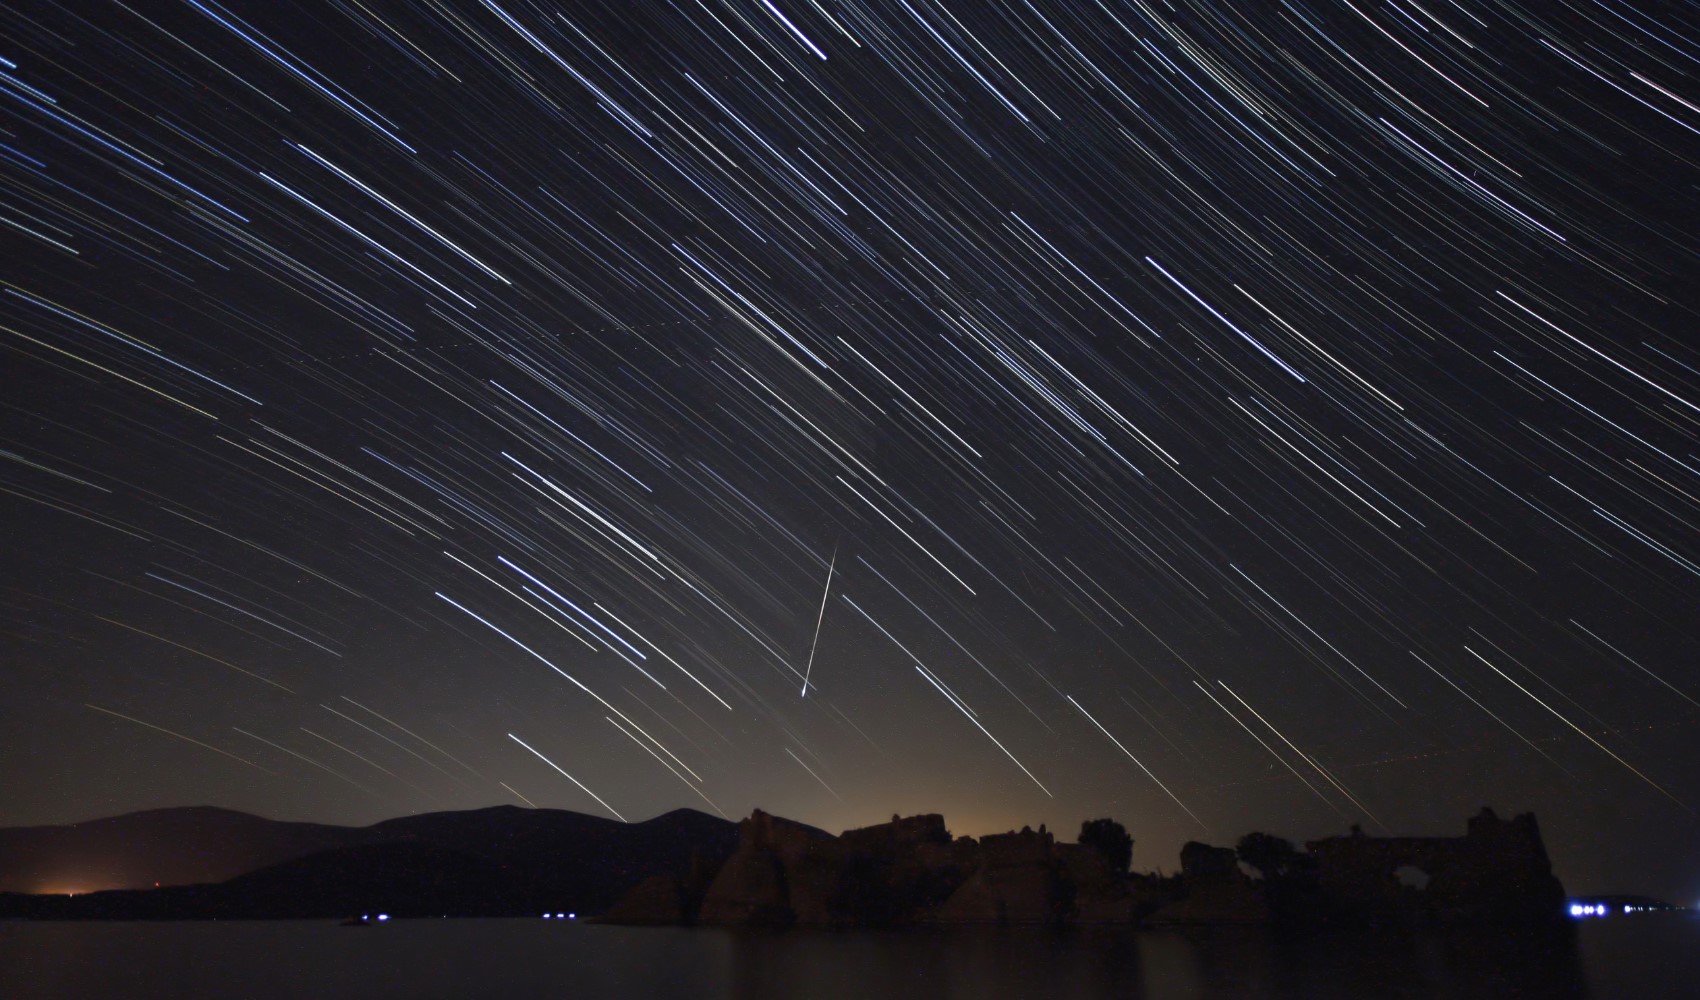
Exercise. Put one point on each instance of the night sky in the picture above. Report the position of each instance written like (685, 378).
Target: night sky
(1218, 416)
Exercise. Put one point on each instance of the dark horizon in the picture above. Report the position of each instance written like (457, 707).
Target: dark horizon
(1065, 834)
(1215, 419)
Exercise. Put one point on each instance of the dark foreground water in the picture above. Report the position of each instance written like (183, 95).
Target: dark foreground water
(1641, 956)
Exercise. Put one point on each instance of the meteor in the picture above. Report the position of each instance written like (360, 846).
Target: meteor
(820, 617)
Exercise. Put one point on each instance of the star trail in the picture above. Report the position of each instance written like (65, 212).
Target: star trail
(848, 407)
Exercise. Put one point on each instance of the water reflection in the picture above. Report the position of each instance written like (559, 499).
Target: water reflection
(971, 965)
(1655, 955)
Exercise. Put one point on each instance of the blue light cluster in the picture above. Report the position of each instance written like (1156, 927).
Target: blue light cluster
(1579, 910)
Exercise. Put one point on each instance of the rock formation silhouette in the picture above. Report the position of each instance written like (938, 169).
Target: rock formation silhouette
(686, 868)
(1498, 871)
(912, 871)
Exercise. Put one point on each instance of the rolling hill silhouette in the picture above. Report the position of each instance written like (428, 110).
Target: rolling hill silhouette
(504, 860)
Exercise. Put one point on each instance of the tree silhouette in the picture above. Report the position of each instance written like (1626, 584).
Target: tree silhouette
(1109, 839)
(1273, 857)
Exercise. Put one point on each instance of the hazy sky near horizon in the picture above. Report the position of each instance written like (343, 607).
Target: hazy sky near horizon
(1216, 416)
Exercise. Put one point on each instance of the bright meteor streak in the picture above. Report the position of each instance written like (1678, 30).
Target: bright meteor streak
(820, 617)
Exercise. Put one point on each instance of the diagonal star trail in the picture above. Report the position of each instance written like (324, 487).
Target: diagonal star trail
(1183, 357)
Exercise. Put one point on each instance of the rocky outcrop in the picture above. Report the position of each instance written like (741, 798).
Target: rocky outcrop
(1100, 895)
(1213, 890)
(665, 900)
(779, 869)
(1001, 896)
(910, 871)
(1202, 861)
(1019, 880)
(907, 871)
(660, 901)
(750, 889)
(1497, 872)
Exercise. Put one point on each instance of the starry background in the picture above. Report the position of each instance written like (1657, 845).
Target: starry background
(1215, 416)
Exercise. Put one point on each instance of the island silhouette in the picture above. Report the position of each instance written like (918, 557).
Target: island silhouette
(687, 868)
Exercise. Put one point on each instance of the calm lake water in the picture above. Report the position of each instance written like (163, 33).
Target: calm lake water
(1641, 956)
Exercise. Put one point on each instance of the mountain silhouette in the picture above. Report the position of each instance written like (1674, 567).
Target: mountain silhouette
(159, 846)
(503, 860)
